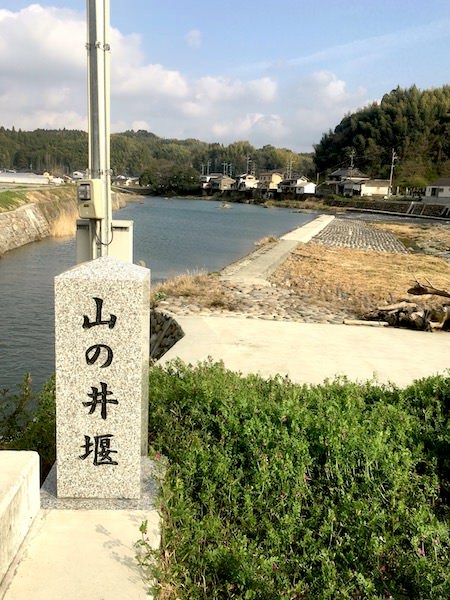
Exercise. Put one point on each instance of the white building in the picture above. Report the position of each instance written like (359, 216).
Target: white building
(375, 187)
(306, 187)
(247, 181)
(297, 185)
(24, 178)
(438, 192)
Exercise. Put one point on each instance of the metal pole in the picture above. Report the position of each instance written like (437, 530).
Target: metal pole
(393, 159)
(99, 115)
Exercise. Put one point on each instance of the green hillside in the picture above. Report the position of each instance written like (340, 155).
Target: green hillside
(413, 123)
(136, 152)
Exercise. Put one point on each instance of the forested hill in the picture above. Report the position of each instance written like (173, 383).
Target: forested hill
(133, 153)
(415, 123)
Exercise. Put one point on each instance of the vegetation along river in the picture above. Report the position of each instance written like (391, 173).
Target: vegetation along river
(172, 236)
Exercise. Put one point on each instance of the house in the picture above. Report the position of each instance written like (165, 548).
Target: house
(221, 182)
(364, 187)
(351, 173)
(269, 180)
(205, 180)
(346, 182)
(375, 187)
(307, 187)
(438, 192)
(292, 184)
(247, 181)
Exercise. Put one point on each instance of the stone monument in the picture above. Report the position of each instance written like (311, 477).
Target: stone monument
(102, 328)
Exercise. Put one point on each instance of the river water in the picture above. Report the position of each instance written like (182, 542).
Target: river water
(172, 236)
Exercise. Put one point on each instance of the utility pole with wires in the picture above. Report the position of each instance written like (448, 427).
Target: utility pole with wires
(352, 158)
(394, 158)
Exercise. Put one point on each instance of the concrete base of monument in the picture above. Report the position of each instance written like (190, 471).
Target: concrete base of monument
(19, 502)
(81, 548)
(149, 490)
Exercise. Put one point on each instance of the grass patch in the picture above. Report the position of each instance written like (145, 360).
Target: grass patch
(28, 421)
(201, 289)
(431, 239)
(279, 491)
(10, 200)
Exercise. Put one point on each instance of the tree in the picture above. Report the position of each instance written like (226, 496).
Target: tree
(416, 123)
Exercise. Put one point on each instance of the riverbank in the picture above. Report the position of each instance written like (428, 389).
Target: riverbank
(350, 268)
(40, 213)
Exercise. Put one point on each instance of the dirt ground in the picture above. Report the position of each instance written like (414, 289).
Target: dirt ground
(359, 280)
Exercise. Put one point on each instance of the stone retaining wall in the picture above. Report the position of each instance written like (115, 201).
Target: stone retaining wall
(22, 226)
(404, 207)
(164, 333)
(33, 222)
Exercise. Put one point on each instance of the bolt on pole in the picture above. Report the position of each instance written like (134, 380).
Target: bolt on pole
(98, 49)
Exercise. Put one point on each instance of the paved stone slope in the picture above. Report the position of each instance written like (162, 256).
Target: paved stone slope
(259, 301)
(349, 233)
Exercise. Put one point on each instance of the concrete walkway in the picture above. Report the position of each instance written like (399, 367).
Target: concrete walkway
(258, 266)
(313, 352)
(78, 554)
(79, 549)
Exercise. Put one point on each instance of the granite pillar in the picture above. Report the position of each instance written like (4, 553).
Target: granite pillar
(102, 353)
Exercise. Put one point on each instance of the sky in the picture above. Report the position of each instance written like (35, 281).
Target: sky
(280, 73)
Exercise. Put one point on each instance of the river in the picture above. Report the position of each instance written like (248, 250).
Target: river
(171, 236)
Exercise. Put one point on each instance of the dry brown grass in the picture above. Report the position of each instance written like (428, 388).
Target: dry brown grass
(269, 239)
(65, 224)
(358, 279)
(200, 289)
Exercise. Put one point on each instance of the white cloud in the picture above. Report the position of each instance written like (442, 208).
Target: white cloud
(325, 101)
(194, 38)
(43, 84)
(137, 125)
(256, 126)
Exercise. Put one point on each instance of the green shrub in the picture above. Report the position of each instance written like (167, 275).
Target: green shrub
(281, 491)
(28, 422)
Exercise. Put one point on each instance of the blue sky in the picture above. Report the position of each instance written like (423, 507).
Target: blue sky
(278, 73)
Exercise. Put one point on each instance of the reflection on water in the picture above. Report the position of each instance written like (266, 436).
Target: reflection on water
(171, 236)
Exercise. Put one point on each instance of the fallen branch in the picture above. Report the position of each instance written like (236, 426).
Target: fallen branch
(421, 290)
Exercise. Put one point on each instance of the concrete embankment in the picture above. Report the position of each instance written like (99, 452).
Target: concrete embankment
(46, 213)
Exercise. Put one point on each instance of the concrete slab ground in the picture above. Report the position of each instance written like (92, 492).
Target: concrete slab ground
(77, 554)
(312, 352)
(258, 266)
(84, 548)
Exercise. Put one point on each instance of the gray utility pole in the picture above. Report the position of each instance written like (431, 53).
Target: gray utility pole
(393, 159)
(98, 50)
(352, 159)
